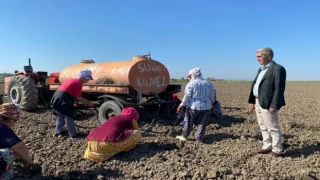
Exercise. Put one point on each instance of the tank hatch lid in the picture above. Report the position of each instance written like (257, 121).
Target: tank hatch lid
(141, 57)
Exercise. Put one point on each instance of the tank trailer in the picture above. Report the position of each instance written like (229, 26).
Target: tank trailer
(140, 81)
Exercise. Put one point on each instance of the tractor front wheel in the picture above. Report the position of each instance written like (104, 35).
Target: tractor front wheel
(22, 90)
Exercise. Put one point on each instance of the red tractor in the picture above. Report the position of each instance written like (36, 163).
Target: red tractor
(23, 88)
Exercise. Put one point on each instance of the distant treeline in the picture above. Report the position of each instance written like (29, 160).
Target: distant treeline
(3, 75)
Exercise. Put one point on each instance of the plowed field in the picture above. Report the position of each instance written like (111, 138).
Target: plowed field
(226, 152)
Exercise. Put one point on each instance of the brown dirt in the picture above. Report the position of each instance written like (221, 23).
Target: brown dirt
(226, 152)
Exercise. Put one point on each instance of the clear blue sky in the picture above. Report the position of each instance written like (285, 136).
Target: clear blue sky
(220, 37)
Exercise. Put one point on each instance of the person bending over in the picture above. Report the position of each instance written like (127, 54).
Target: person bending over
(117, 134)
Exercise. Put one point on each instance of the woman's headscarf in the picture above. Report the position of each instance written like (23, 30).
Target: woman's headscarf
(10, 111)
(85, 74)
(195, 73)
(132, 112)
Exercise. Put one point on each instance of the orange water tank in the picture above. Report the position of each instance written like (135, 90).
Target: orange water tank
(141, 73)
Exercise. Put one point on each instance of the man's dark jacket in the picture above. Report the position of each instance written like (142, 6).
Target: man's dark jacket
(271, 88)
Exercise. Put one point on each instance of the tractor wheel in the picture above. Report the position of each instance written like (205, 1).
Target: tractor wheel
(108, 109)
(22, 90)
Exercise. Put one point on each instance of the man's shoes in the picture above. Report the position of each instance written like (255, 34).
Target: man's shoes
(78, 136)
(264, 151)
(63, 132)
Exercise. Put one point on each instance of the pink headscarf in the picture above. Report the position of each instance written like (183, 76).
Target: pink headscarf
(130, 111)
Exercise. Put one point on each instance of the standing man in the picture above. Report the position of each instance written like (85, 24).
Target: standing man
(62, 102)
(267, 97)
(198, 100)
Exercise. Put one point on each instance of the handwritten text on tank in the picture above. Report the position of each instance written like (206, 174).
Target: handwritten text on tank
(147, 67)
(155, 81)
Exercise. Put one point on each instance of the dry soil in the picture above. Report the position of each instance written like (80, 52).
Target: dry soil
(227, 151)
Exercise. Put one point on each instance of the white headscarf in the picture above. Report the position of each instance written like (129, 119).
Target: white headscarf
(195, 73)
(85, 74)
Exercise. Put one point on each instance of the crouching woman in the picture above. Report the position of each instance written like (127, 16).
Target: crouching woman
(9, 141)
(118, 134)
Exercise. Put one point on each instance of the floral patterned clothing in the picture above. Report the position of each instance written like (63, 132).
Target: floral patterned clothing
(8, 157)
(101, 151)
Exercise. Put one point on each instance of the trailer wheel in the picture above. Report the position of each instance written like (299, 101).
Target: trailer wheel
(22, 90)
(109, 109)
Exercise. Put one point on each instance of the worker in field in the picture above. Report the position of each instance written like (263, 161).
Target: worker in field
(180, 115)
(62, 103)
(10, 143)
(117, 134)
(267, 97)
(216, 109)
(197, 101)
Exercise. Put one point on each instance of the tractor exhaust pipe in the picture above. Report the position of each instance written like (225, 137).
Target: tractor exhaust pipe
(29, 62)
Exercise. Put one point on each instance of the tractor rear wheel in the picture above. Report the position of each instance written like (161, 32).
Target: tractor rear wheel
(108, 109)
(22, 90)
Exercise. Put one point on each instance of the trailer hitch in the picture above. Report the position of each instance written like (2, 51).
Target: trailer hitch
(95, 110)
(156, 117)
(154, 120)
